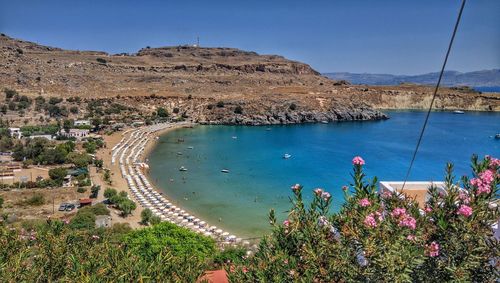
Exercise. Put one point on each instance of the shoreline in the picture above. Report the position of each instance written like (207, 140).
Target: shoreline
(137, 144)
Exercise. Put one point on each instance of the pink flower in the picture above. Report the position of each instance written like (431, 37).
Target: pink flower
(370, 221)
(487, 176)
(95, 237)
(295, 187)
(398, 212)
(66, 221)
(494, 163)
(408, 221)
(427, 209)
(358, 161)
(464, 210)
(364, 202)
(286, 223)
(432, 249)
(387, 194)
(318, 192)
(380, 216)
(326, 196)
(411, 237)
(463, 196)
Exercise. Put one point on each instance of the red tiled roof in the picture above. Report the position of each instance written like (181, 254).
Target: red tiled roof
(214, 276)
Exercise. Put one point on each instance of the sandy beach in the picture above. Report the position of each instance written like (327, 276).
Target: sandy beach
(118, 182)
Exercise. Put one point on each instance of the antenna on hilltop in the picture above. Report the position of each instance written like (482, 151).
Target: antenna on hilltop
(198, 41)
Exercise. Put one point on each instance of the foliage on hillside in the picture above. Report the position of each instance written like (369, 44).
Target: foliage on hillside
(384, 238)
(56, 252)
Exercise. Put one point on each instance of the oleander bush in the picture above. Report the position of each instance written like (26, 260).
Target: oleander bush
(384, 238)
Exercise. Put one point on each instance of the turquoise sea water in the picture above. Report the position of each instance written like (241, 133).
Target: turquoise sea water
(260, 178)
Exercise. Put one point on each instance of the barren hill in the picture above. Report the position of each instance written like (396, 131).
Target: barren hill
(268, 88)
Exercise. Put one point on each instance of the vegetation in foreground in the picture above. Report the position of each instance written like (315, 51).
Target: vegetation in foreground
(372, 238)
(385, 238)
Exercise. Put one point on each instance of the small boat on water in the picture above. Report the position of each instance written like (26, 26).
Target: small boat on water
(458, 112)
(286, 156)
(234, 137)
(268, 129)
(183, 168)
(497, 136)
(224, 171)
(324, 122)
(180, 140)
(179, 153)
(190, 147)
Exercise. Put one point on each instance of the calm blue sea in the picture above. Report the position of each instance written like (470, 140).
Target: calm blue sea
(260, 178)
(488, 88)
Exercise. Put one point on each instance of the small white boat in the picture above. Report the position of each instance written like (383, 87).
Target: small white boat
(234, 137)
(190, 147)
(224, 171)
(286, 156)
(324, 122)
(268, 129)
(183, 168)
(458, 112)
(179, 153)
(497, 136)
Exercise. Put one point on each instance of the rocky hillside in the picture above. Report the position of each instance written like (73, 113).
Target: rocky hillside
(254, 89)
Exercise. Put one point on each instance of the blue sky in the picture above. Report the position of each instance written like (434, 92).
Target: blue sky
(393, 36)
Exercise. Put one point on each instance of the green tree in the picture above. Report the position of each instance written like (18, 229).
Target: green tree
(162, 112)
(109, 193)
(58, 174)
(1, 201)
(83, 220)
(126, 206)
(146, 215)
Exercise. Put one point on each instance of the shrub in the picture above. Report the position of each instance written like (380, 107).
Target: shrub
(384, 238)
(1, 201)
(101, 60)
(83, 219)
(175, 110)
(98, 209)
(220, 104)
(238, 110)
(81, 190)
(95, 191)
(109, 193)
(230, 255)
(55, 253)
(155, 220)
(292, 106)
(36, 199)
(146, 215)
(180, 242)
(58, 174)
(162, 112)
(9, 93)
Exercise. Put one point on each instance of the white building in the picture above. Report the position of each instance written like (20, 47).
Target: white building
(49, 137)
(15, 133)
(82, 123)
(75, 133)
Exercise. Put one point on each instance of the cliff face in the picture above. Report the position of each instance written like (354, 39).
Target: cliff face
(193, 78)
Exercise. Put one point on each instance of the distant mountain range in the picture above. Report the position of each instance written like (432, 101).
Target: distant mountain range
(485, 78)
